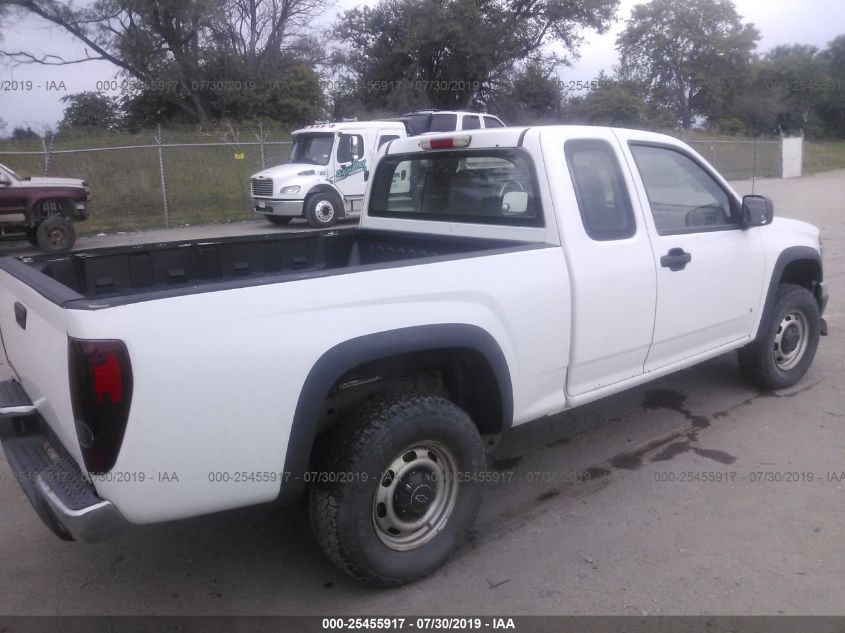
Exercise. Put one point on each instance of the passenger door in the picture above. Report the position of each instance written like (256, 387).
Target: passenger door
(709, 270)
(350, 164)
(608, 255)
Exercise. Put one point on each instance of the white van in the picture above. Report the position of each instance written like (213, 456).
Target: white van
(327, 173)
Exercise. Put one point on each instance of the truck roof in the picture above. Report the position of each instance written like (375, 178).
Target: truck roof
(352, 125)
(512, 137)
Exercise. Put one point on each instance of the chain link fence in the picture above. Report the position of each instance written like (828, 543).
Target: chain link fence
(165, 178)
(155, 179)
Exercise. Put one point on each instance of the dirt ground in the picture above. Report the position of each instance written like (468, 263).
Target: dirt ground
(653, 533)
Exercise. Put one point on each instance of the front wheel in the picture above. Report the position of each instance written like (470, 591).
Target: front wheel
(321, 211)
(786, 342)
(394, 495)
(56, 234)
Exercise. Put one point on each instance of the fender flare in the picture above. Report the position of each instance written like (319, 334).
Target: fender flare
(787, 256)
(347, 355)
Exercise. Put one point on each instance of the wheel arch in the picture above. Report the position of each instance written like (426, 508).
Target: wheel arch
(801, 265)
(345, 357)
(326, 189)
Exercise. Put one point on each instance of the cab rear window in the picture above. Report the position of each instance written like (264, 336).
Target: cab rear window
(495, 186)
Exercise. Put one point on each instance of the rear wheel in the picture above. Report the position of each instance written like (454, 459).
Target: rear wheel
(279, 219)
(787, 341)
(390, 504)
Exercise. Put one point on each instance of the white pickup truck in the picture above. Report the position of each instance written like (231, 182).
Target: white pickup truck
(524, 271)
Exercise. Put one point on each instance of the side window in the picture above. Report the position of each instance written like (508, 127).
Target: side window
(350, 148)
(387, 138)
(600, 190)
(490, 121)
(471, 122)
(684, 198)
(444, 122)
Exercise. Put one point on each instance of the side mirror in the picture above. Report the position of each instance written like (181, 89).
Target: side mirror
(515, 202)
(366, 175)
(757, 210)
(5, 180)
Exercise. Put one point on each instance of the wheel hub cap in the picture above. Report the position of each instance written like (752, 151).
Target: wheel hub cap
(324, 211)
(414, 494)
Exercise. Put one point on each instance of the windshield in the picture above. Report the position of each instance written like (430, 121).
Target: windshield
(11, 173)
(313, 149)
(493, 186)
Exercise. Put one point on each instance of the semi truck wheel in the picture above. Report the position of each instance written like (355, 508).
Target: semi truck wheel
(321, 210)
(393, 498)
(56, 234)
(279, 219)
(786, 342)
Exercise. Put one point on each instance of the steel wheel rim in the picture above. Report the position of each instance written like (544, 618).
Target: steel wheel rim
(423, 468)
(56, 237)
(324, 210)
(790, 340)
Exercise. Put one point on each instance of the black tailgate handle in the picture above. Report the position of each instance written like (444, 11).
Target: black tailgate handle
(20, 314)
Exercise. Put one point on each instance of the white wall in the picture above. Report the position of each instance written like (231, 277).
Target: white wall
(792, 150)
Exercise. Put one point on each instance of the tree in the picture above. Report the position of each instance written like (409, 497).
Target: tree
(183, 55)
(531, 94)
(616, 103)
(445, 52)
(786, 90)
(831, 109)
(24, 134)
(90, 110)
(692, 57)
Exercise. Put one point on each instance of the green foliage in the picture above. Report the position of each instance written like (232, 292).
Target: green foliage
(90, 110)
(443, 53)
(529, 95)
(24, 134)
(691, 57)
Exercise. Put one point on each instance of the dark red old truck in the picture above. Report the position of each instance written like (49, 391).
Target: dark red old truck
(42, 208)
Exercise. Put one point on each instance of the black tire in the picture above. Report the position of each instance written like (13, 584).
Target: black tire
(775, 360)
(32, 235)
(56, 234)
(279, 219)
(353, 457)
(321, 210)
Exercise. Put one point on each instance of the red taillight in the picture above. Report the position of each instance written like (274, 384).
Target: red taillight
(101, 392)
(442, 143)
(108, 378)
(445, 142)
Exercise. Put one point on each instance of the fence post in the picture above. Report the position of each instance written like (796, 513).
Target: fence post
(47, 153)
(261, 144)
(737, 159)
(163, 177)
(754, 167)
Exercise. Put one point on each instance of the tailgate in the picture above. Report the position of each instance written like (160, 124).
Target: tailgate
(36, 345)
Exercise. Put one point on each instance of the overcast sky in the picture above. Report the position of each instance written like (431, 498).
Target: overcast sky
(779, 21)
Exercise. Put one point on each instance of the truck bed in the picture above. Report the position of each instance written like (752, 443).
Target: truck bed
(103, 277)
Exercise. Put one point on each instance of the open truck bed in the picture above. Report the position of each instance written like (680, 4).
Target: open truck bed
(106, 277)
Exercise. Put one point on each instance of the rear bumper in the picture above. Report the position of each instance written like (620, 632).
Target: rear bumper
(59, 492)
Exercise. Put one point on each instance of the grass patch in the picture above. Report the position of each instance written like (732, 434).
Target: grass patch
(822, 156)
